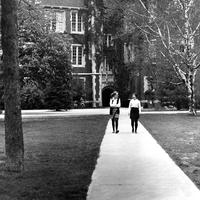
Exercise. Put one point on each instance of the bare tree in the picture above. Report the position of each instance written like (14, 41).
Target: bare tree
(178, 31)
(175, 25)
(13, 123)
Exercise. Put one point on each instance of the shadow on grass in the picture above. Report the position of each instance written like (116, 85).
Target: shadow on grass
(60, 156)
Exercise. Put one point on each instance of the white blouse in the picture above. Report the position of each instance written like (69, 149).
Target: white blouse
(135, 103)
(114, 103)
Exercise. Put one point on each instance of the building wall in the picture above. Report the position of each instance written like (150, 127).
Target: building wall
(92, 77)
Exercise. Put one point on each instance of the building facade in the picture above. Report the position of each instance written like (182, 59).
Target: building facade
(82, 21)
(130, 50)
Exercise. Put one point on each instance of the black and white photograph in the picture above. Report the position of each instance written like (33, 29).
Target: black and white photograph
(99, 99)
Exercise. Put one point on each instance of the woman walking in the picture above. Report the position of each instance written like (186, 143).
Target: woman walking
(135, 109)
(115, 105)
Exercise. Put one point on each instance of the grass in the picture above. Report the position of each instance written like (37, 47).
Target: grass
(60, 156)
(179, 135)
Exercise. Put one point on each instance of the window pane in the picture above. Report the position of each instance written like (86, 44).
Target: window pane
(73, 16)
(74, 21)
(74, 55)
(79, 55)
(60, 21)
(79, 23)
(53, 25)
(74, 27)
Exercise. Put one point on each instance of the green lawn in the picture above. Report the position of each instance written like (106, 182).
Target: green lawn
(179, 135)
(60, 156)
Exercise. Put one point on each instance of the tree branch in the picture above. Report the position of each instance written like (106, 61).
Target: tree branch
(164, 82)
(144, 6)
(179, 28)
(171, 60)
(169, 37)
(195, 30)
(161, 37)
(198, 65)
(177, 69)
(139, 14)
(144, 31)
(189, 5)
(181, 4)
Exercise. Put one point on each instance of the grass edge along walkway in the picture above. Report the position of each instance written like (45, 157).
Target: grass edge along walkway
(60, 156)
(134, 166)
(179, 135)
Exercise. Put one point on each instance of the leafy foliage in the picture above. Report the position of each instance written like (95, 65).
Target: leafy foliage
(44, 61)
(58, 88)
(32, 97)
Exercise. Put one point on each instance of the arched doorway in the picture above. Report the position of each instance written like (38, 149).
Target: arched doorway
(106, 92)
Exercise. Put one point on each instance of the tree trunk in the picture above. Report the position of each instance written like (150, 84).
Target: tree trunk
(13, 123)
(93, 48)
(191, 94)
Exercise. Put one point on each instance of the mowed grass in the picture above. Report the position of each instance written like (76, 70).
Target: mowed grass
(179, 135)
(60, 156)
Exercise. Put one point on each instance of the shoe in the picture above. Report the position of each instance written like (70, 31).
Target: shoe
(132, 130)
(117, 131)
(113, 132)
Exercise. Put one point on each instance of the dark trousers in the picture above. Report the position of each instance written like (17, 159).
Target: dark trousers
(115, 124)
(134, 124)
(134, 115)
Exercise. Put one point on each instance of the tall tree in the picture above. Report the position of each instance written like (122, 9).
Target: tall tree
(176, 27)
(13, 122)
(95, 38)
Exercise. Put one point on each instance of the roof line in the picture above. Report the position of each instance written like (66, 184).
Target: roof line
(61, 7)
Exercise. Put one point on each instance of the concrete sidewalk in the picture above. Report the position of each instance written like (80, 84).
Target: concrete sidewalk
(134, 167)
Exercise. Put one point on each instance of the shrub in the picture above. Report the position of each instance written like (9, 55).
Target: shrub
(32, 97)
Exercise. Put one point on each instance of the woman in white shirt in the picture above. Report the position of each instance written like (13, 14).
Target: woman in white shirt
(135, 109)
(115, 105)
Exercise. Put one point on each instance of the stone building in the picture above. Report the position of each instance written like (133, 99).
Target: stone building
(131, 50)
(82, 21)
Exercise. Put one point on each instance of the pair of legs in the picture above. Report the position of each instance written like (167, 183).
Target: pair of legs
(134, 124)
(115, 124)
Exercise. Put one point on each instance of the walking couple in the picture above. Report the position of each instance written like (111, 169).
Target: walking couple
(134, 111)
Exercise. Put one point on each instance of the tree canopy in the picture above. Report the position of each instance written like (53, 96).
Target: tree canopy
(170, 30)
(44, 60)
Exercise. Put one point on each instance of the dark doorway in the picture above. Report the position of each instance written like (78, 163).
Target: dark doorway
(106, 96)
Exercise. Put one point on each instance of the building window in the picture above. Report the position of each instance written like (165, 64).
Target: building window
(107, 66)
(77, 22)
(83, 82)
(60, 22)
(77, 56)
(108, 42)
(79, 82)
(57, 20)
